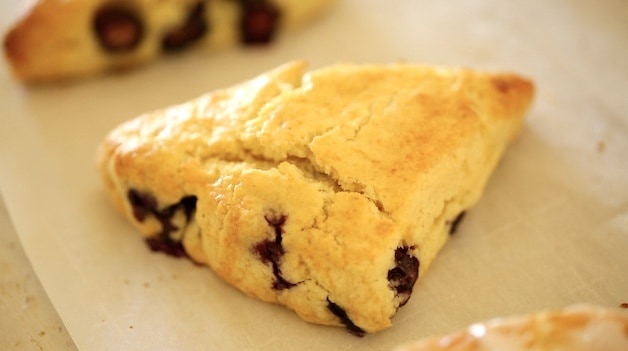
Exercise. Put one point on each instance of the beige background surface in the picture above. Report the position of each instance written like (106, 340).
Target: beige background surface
(551, 230)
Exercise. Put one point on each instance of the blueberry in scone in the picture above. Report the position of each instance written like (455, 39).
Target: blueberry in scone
(330, 192)
(65, 39)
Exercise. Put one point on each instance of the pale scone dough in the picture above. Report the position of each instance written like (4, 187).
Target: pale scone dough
(327, 191)
(58, 39)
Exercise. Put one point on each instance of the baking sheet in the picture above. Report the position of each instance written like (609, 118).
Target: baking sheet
(551, 230)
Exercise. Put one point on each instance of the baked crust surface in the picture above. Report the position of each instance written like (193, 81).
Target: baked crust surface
(328, 192)
(577, 328)
(58, 39)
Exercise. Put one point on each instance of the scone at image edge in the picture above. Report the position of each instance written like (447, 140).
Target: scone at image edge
(65, 40)
(329, 192)
(580, 327)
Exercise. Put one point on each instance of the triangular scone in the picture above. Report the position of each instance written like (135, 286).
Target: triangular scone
(62, 39)
(329, 192)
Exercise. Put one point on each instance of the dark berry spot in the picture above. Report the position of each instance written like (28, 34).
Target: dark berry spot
(259, 21)
(145, 204)
(404, 275)
(166, 245)
(118, 28)
(277, 222)
(344, 318)
(194, 28)
(271, 252)
(189, 206)
(453, 224)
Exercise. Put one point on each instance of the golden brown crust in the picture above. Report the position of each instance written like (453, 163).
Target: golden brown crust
(53, 40)
(56, 40)
(577, 328)
(320, 191)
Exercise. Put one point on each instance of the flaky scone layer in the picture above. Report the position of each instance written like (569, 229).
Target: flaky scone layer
(329, 191)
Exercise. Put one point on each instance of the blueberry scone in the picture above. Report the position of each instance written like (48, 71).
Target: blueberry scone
(61, 39)
(329, 192)
(576, 328)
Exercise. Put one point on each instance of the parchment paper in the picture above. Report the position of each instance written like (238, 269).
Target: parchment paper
(550, 231)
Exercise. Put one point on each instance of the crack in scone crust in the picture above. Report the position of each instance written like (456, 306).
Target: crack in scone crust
(329, 192)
